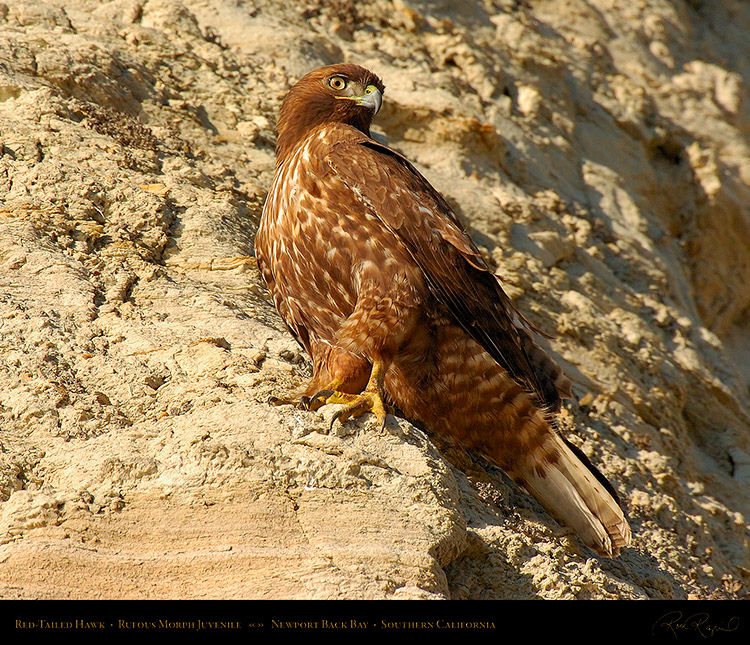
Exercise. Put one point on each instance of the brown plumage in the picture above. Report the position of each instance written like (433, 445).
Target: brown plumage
(375, 277)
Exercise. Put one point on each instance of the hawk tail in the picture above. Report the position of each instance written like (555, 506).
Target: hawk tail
(572, 491)
(467, 396)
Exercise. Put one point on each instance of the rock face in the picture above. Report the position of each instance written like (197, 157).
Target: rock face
(598, 152)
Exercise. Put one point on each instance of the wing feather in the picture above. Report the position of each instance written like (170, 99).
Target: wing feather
(458, 277)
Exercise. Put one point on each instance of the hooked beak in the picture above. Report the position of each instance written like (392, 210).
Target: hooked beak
(372, 99)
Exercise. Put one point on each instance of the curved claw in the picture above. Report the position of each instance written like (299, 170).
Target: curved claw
(324, 397)
(318, 400)
(368, 401)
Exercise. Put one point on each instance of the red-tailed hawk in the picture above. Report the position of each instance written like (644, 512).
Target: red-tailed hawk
(376, 278)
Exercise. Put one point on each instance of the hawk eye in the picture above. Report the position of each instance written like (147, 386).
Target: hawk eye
(337, 82)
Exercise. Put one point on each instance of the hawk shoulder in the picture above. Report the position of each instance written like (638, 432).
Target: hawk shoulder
(390, 188)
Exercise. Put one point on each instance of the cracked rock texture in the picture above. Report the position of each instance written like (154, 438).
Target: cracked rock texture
(597, 151)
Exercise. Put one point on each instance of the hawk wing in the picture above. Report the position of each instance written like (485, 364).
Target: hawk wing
(390, 188)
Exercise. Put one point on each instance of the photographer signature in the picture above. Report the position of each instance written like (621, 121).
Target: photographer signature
(700, 623)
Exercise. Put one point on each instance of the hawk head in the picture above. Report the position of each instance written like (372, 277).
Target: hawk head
(333, 94)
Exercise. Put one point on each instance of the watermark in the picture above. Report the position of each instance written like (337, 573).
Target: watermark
(676, 624)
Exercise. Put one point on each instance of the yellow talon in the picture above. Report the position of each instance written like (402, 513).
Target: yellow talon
(370, 400)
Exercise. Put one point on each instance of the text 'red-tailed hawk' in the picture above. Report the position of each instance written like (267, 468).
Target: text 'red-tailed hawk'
(376, 278)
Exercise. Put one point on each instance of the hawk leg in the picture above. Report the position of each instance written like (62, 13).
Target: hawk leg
(369, 400)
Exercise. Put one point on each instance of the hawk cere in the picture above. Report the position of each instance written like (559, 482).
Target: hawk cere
(376, 278)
